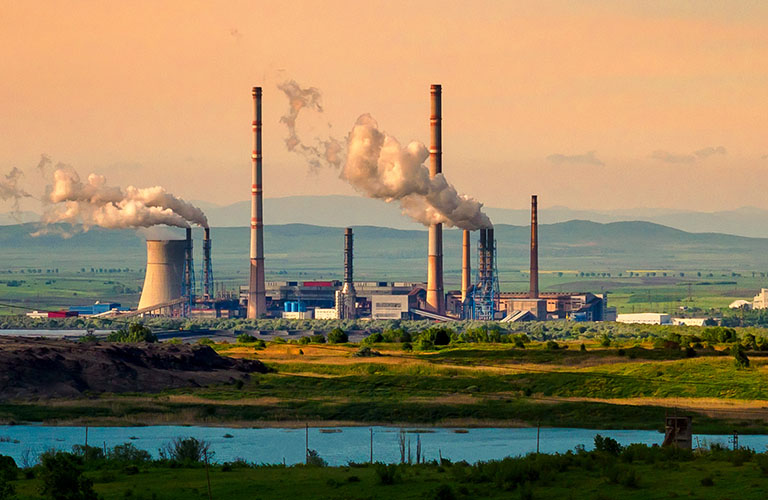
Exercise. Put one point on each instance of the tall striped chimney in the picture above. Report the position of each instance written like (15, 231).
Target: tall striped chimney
(534, 288)
(257, 306)
(435, 293)
(466, 271)
(189, 269)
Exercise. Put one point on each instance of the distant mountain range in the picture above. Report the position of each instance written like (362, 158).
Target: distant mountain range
(293, 250)
(342, 211)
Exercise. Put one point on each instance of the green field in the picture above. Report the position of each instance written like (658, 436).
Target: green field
(630, 385)
(636, 472)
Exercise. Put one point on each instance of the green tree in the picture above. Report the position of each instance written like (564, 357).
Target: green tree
(61, 477)
(137, 332)
(739, 356)
(337, 336)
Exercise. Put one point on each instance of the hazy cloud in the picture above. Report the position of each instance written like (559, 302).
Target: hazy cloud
(668, 157)
(699, 154)
(709, 151)
(587, 158)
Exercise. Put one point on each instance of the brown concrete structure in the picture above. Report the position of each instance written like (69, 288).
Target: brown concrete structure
(534, 286)
(257, 306)
(435, 291)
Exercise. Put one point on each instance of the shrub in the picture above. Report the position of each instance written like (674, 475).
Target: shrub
(186, 451)
(174, 341)
(583, 348)
(762, 463)
(61, 477)
(337, 336)
(707, 480)
(366, 352)
(387, 474)
(8, 468)
(374, 338)
(739, 354)
(205, 341)
(317, 338)
(246, 338)
(315, 460)
(278, 340)
(137, 332)
(552, 345)
(607, 445)
(407, 347)
(444, 492)
(127, 453)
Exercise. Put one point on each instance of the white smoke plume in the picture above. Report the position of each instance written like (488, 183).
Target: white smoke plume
(10, 188)
(377, 165)
(327, 152)
(94, 203)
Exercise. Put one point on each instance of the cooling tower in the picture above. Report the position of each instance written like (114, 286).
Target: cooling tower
(534, 288)
(435, 293)
(257, 306)
(207, 269)
(164, 278)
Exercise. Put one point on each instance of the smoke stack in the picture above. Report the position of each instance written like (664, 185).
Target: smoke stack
(257, 305)
(164, 277)
(466, 279)
(189, 270)
(348, 292)
(435, 293)
(207, 271)
(534, 289)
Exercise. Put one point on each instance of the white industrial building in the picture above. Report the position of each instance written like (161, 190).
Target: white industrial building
(645, 318)
(689, 321)
(389, 306)
(761, 299)
(326, 313)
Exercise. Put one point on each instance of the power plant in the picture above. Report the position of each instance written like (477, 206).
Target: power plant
(169, 286)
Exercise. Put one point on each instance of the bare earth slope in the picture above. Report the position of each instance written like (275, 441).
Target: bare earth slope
(43, 368)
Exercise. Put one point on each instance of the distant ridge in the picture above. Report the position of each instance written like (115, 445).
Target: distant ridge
(342, 211)
(292, 249)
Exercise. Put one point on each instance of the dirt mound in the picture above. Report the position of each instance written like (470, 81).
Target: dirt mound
(43, 368)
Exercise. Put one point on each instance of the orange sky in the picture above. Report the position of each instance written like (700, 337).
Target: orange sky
(159, 93)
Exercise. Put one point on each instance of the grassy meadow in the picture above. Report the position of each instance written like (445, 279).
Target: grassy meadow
(631, 385)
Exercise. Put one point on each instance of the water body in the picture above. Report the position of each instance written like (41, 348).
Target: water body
(338, 445)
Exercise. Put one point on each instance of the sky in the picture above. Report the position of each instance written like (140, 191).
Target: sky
(590, 105)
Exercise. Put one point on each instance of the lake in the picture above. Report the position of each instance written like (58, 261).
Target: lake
(337, 445)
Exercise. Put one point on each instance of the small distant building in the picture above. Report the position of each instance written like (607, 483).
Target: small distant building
(690, 321)
(645, 318)
(37, 314)
(390, 306)
(740, 304)
(326, 313)
(298, 314)
(761, 299)
(96, 308)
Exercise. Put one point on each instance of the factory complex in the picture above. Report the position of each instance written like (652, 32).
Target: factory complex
(170, 289)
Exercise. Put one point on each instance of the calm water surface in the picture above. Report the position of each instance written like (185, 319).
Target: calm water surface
(336, 445)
